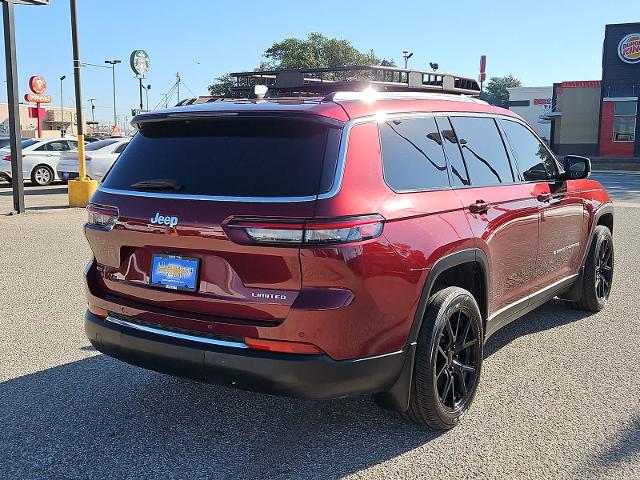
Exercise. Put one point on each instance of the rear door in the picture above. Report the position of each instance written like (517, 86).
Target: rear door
(200, 174)
(562, 214)
(502, 213)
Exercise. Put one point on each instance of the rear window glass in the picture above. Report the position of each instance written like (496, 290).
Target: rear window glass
(236, 158)
(99, 144)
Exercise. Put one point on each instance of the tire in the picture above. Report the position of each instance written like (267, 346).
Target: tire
(431, 402)
(42, 175)
(598, 271)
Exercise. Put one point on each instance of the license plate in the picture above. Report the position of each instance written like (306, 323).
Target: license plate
(174, 272)
(65, 176)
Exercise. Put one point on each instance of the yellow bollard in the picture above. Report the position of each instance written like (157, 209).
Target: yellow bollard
(80, 190)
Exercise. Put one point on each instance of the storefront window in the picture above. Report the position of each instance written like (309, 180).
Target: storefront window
(624, 121)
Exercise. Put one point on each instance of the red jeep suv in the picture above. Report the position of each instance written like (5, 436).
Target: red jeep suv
(331, 245)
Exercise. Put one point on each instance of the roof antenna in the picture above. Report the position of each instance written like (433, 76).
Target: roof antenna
(258, 91)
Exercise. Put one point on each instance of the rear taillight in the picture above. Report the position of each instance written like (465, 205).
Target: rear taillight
(8, 158)
(99, 216)
(305, 232)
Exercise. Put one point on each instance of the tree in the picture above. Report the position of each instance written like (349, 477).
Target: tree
(313, 52)
(496, 90)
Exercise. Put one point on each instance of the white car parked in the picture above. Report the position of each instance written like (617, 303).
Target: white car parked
(39, 159)
(99, 157)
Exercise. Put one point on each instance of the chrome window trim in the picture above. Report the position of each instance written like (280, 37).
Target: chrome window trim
(180, 336)
(177, 196)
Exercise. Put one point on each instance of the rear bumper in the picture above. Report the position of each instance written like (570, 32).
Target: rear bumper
(302, 376)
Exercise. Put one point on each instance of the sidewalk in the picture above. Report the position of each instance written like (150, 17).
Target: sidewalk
(628, 164)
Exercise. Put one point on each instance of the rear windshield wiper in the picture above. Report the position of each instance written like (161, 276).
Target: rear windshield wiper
(157, 184)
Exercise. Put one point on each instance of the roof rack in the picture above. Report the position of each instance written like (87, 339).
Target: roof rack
(324, 81)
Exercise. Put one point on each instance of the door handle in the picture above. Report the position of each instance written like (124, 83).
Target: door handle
(480, 206)
(544, 197)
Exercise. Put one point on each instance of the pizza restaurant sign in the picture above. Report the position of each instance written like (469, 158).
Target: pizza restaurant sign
(629, 48)
(38, 86)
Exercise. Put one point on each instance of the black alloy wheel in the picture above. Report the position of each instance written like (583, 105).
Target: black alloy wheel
(448, 360)
(597, 277)
(604, 269)
(457, 364)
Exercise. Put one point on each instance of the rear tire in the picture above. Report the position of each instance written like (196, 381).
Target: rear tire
(42, 175)
(598, 271)
(448, 360)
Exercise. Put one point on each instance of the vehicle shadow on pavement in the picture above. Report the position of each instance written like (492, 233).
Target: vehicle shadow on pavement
(625, 449)
(101, 418)
(550, 315)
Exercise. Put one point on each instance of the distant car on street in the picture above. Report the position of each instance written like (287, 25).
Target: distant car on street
(39, 159)
(100, 156)
(4, 141)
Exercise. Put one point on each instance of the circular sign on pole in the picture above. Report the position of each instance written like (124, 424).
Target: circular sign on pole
(629, 48)
(140, 63)
(38, 84)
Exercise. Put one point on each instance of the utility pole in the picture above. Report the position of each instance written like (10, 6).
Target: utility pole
(80, 190)
(178, 84)
(14, 112)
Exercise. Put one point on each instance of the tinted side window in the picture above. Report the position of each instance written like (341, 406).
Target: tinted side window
(483, 150)
(535, 162)
(57, 146)
(120, 148)
(459, 175)
(412, 155)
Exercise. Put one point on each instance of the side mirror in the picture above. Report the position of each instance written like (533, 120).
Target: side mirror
(576, 167)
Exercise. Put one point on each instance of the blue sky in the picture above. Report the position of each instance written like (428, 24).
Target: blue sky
(540, 42)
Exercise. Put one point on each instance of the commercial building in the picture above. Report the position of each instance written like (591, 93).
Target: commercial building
(52, 118)
(533, 104)
(600, 117)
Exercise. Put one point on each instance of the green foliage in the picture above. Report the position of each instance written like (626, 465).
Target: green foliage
(495, 92)
(221, 85)
(313, 52)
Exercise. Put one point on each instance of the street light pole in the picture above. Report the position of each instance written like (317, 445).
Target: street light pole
(93, 114)
(62, 106)
(146, 90)
(406, 55)
(113, 64)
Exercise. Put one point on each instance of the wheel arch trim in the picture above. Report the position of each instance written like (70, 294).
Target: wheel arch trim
(460, 257)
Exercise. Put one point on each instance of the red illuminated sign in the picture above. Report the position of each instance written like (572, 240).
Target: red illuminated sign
(37, 98)
(38, 84)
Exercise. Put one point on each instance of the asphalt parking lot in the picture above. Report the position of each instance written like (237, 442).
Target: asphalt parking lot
(559, 397)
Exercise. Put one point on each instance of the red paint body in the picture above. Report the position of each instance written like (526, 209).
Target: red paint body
(354, 300)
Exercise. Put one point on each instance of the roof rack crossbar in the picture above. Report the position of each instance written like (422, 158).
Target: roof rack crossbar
(325, 80)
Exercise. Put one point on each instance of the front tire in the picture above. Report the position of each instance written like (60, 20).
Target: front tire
(598, 271)
(42, 175)
(448, 360)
